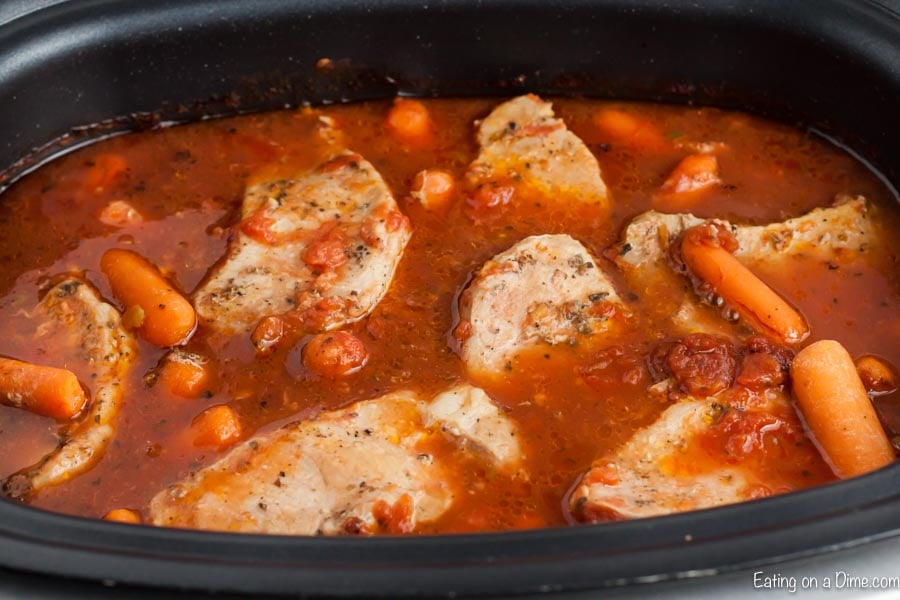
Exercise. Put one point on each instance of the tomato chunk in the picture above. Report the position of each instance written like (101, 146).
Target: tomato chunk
(335, 354)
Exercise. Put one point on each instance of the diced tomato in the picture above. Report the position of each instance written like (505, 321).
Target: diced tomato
(463, 330)
(268, 332)
(491, 195)
(396, 518)
(327, 252)
(259, 227)
(395, 221)
(335, 354)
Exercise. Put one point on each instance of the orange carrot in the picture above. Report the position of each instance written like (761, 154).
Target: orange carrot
(410, 122)
(616, 122)
(217, 427)
(837, 410)
(739, 287)
(627, 129)
(876, 375)
(433, 188)
(169, 319)
(686, 183)
(185, 375)
(123, 515)
(42, 390)
(104, 170)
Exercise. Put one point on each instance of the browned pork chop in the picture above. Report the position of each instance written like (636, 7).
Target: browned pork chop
(545, 289)
(102, 349)
(650, 475)
(822, 232)
(321, 246)
(362, 469)
(523, 142)
(661, 469)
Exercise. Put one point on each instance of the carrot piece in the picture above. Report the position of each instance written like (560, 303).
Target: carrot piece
(752, 298)
(169, 319)
(628, 129)
(410, 122)
(217, 427)
(335, 354)
(616, 122)
(433, 188)
(687, 182)
(119, 213)
(837, 410)
(123, 515)
(185, 375)
(876, 375)
(104, 170)
(269, 332)
(42, 390)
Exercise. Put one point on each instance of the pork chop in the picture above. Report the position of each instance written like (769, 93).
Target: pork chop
(364, 469)
(822, 234)
(522, 143)
(846, 226)
(468, 413)
(100, 349)
(545, 289)
(652, 474)
(320, 247)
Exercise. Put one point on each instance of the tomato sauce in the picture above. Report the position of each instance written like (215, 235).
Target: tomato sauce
(572, 405)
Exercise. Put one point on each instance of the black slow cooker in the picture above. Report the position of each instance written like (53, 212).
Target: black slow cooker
(75, 71)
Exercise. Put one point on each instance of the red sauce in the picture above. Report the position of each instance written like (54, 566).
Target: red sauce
(571, 405)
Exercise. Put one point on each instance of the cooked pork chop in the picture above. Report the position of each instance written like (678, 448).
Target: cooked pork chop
(468, 413)
(321, 247)
(363, 469)
(544, 289)
(819, 233)
(522, 141)
(100, 348)
(653, 474)
(822, 234)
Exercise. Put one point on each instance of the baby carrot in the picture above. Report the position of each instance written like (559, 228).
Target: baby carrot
(169, 319)
(217, 427)
(410, 122)
(123, 515)
(740, 287)
(433, 188)
(876, 375)
(184, 375)
(628, 129)
(837, 410)
(687, 181)
(43, 390)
